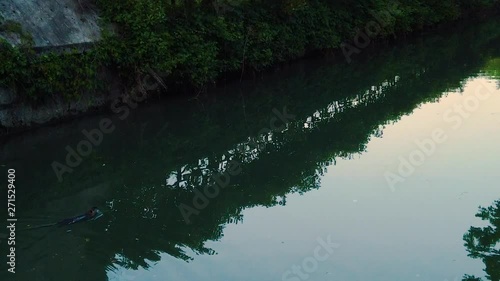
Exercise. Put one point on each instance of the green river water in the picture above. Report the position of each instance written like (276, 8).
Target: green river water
(324, 170)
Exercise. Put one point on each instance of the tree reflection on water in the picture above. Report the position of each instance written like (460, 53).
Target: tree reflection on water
(481, 242)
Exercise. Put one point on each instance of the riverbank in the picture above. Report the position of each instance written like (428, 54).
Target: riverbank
(190, 46)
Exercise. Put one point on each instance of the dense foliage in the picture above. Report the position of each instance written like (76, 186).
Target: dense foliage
(193, 42)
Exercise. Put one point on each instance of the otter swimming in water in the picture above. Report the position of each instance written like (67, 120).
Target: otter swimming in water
(92, 214)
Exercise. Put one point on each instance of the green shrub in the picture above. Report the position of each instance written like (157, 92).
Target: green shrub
(194, 42)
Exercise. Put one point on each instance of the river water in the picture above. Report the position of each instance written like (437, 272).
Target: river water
(324, 170)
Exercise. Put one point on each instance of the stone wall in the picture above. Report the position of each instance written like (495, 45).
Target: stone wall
(16, 115)
(52, 23)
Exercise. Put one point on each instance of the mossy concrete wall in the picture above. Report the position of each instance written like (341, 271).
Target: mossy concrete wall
(51, 23)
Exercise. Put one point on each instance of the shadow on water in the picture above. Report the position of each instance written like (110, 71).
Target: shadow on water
(163, 154)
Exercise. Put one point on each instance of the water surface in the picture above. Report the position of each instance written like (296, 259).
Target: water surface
(320, 175)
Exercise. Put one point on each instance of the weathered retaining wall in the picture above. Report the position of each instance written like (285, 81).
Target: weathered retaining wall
(53, 25)
(16, 115)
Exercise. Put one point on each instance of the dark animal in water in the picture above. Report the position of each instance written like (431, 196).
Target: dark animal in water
(91, 214)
